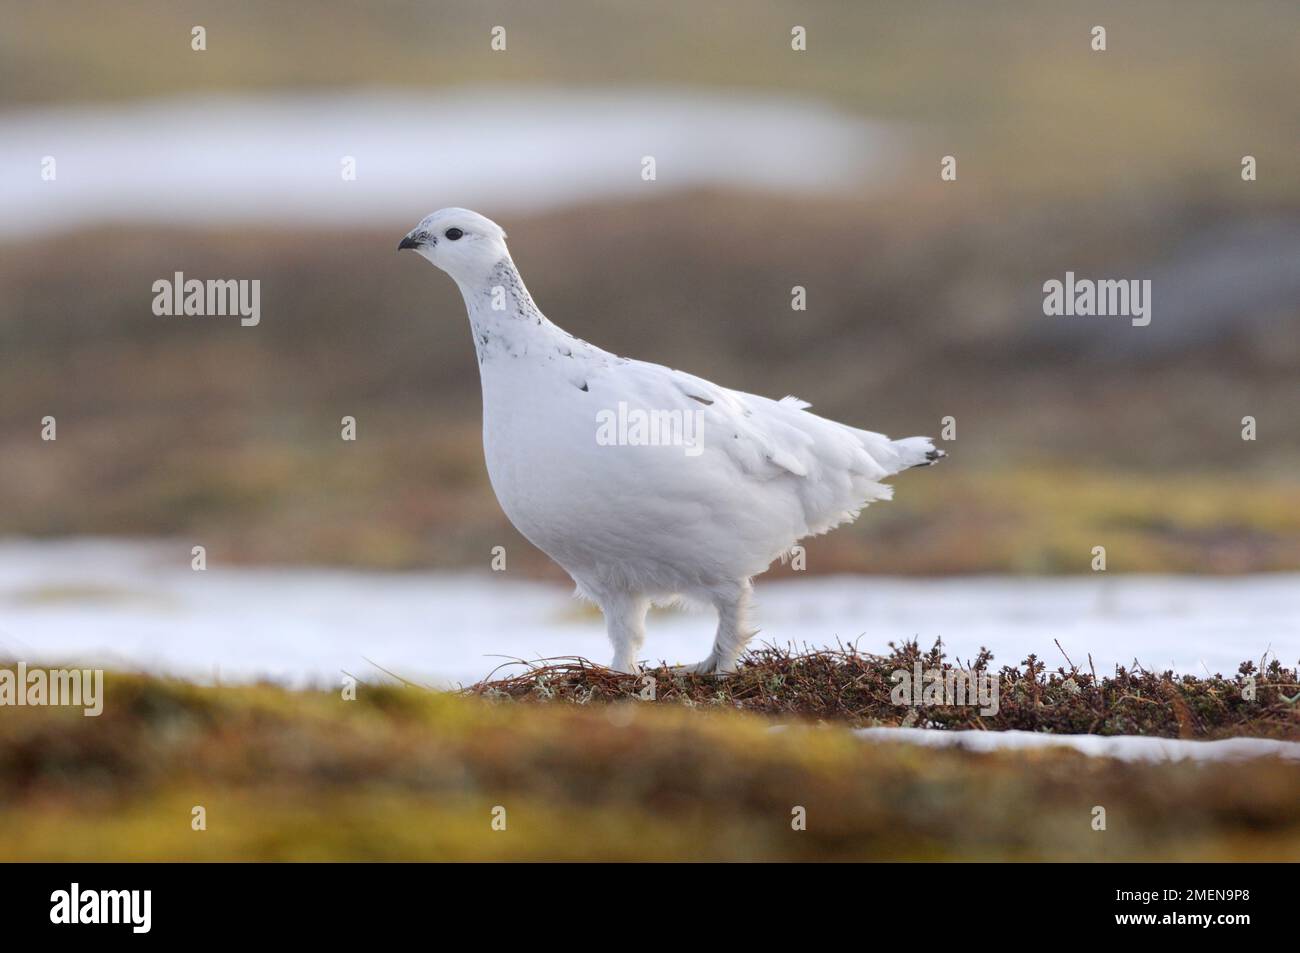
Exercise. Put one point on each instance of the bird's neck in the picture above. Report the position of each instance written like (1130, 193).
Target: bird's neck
(502, 314)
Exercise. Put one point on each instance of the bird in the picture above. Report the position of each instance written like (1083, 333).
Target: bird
(647, 485)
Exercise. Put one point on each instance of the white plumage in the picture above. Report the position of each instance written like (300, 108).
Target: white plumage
(644, 483)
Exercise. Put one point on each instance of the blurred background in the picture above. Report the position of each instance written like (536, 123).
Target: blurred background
(775, 168)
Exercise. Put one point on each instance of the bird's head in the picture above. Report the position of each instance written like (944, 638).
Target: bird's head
(464, 244)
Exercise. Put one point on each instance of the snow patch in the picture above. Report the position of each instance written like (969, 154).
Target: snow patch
(1123, 747)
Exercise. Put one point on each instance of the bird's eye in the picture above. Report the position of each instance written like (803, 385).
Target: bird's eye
(453, 234)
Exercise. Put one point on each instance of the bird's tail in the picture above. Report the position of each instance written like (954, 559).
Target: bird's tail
(916, 452)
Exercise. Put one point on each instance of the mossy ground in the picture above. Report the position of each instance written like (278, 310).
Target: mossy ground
(403, 773)
(854, 688)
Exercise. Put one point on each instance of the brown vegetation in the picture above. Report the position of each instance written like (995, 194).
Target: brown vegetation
(854, 688)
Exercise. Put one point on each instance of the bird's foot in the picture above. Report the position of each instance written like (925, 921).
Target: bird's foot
(710, 666)
(627, 666)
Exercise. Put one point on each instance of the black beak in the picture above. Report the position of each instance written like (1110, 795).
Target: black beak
(408, 242)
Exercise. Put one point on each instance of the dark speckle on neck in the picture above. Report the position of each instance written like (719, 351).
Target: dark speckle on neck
(506, 276)
(515, 327)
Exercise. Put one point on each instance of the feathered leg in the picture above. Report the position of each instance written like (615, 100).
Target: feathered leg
(733, 630)
(625, 623)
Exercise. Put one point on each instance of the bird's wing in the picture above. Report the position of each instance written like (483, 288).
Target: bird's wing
(835, 468)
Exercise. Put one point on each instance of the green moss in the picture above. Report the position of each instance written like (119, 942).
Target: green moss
(403, 773)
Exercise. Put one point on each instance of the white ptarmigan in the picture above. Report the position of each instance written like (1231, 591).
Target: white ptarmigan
(644, 483)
